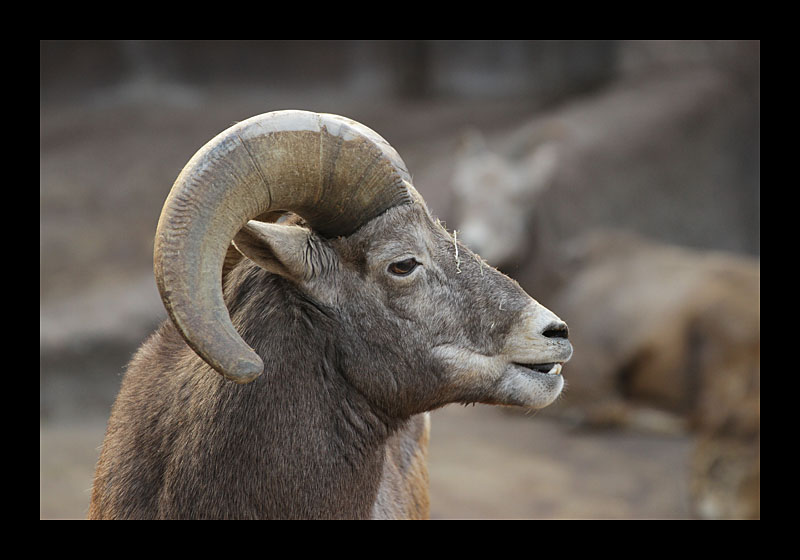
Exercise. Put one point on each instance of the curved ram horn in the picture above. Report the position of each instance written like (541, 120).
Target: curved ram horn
(334, 172)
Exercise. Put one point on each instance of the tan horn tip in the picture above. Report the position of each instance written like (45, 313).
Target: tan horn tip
(246, 370)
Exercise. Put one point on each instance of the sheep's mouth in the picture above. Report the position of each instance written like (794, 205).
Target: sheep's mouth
(549, 368)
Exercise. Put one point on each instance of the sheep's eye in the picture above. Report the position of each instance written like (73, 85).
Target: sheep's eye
(403, 268)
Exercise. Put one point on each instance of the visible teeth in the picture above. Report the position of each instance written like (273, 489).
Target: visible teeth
(551, 369)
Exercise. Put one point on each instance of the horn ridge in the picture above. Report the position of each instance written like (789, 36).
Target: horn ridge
(334, 172)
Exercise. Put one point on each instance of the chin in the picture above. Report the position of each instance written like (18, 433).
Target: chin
(530, 388)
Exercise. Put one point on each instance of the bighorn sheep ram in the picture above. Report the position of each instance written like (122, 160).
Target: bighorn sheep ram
(362, 312)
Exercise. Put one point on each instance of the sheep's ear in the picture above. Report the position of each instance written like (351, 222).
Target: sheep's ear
(280, 249)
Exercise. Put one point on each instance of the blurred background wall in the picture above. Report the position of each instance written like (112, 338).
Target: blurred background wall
(396, 69)
(657, 138)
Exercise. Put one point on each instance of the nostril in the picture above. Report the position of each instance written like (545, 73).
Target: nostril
(556, 330)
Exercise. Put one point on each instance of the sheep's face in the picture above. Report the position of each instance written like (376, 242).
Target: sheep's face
(422, 320)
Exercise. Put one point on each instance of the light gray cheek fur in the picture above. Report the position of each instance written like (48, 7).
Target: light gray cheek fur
(471, 376)
(492, 379)
(468, 367)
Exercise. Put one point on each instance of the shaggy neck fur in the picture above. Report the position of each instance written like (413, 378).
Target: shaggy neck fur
(298, 442)
(327, 432)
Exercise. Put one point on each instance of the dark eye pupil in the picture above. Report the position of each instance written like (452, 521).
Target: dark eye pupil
(401, 268)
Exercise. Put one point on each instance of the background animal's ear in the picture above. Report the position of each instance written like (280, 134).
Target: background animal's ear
(277, 248)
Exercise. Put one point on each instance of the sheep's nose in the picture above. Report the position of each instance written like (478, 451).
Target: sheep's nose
(556, 330)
